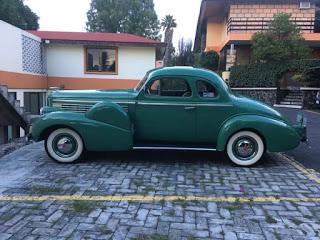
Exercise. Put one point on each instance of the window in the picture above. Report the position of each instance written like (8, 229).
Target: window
(206, 90)
(305, 5)
(101, 60)
(33, 101)
(170, 87)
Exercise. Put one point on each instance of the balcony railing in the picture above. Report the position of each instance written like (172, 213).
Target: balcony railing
(262, 24)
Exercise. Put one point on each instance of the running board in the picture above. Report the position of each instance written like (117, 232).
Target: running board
(175, 148)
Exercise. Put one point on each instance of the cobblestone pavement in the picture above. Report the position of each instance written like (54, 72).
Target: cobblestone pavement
(29, 172)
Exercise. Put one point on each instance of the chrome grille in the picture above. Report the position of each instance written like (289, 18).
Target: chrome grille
(79, 107)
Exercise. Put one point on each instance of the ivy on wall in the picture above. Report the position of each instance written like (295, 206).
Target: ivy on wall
(268, 74)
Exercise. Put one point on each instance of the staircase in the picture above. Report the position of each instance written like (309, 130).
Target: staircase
(290, 99)
(12, 114)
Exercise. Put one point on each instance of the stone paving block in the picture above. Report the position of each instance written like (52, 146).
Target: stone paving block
(103, 218)
(14, 220)
(163, 228)
(45, 232)
(68, 230)
(55, 216)
(230, 236)
(183, 226)
(5, 236)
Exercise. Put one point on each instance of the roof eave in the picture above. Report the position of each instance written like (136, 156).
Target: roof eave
(105, 43)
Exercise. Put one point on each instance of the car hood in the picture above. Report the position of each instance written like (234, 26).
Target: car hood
(99, 95)
(248, 105)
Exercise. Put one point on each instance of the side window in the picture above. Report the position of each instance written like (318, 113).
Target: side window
(154, 89)
(206, 90)
(170, 87)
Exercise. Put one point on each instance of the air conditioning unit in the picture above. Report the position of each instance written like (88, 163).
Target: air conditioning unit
(305, 5)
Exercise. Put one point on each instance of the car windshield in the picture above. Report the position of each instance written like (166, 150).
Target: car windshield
(141, 84)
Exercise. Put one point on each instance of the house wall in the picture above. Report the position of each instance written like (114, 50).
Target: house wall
(20, 51)
(268, 10)
(66, 66)
(216, 34)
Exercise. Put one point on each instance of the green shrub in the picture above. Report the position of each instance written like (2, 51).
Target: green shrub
(268, 74)
(208, 60)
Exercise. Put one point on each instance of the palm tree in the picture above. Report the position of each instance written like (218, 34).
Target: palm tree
(168, 23)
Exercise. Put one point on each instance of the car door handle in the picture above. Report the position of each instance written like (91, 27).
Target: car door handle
(189, 108)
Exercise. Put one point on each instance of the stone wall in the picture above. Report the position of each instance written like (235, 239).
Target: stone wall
(269, 95)
(266, 95)
(309, 97)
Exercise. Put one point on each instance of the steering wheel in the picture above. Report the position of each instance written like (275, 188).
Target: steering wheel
(186, 94)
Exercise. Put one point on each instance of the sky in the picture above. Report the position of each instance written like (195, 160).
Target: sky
(70, 15)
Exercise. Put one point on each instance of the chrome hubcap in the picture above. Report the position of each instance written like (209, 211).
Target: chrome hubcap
(64, 145)
(245, 148)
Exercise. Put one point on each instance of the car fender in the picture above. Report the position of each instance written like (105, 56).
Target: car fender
(277, 135)
(97, 135)
(110, 113)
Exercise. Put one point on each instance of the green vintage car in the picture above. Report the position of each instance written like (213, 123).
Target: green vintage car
(181, 108)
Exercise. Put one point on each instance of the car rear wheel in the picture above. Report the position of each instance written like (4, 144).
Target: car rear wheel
(245, 148)
(64, 145)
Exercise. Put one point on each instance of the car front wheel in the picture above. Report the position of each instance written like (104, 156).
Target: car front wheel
(64, 145)
(245, 148)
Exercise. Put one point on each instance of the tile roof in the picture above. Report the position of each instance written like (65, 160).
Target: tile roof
(94, 37)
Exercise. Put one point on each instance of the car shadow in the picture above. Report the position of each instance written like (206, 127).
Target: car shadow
(172, 157)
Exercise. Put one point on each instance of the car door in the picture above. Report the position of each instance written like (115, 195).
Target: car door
(165, 111)
(212, 111)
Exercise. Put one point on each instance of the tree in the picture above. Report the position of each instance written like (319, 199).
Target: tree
(208, 60)
(281, 42)
(124, 16)
(184, 56)
(18, 14)
(168, 23)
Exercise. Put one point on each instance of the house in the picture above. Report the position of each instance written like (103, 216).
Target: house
(227, 26)
(34, 62)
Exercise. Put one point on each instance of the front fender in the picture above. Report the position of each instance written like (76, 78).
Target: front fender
(277, 135)
(110, 113)
(97, 135)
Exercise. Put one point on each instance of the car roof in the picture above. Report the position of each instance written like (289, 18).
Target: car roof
(183, 71)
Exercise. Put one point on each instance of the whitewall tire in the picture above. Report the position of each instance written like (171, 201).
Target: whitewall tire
(64, 145)
(245, 148)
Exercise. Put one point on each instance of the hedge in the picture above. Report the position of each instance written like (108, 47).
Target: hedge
(267, 74)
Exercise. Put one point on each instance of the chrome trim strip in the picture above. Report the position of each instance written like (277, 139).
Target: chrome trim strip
(74, 101)
(90, 102)
(186, 104)
(124, 102)
(175, 148)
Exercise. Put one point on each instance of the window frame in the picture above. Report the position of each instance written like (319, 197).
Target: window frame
(85, 49)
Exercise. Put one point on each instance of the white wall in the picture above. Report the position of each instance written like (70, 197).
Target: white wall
(11, 47)
(68, 61)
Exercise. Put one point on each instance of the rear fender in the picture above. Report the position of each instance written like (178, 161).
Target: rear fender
(277, 135)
